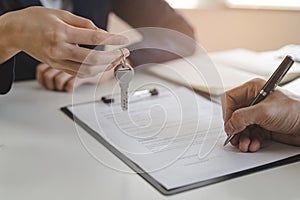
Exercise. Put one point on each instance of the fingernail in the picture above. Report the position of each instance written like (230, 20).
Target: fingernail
(126, 52)
(95, 27)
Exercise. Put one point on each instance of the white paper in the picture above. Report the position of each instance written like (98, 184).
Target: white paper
(177, 137)
(260, 63)
(293, 86)
(200, 73)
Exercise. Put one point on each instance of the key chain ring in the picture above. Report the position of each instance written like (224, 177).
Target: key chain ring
(123, 61)
(123, 56)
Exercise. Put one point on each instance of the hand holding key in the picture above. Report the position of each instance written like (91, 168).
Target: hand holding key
(124, 74)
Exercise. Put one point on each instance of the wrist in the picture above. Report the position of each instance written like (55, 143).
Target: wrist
(8, 37)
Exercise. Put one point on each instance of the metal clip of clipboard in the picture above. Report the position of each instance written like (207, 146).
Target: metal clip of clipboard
(136, 95)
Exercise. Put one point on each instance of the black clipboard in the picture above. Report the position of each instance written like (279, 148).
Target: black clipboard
(152, 181)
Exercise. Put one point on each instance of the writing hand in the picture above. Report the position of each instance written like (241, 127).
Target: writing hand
(277, 117)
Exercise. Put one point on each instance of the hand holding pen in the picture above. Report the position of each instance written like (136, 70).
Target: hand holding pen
(238, 116)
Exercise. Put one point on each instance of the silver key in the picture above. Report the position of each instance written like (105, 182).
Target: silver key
(124, 74)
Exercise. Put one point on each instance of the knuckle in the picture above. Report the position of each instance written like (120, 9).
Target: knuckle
(72, 52)
(56, 65)
(96, 38)
(249, 84)
(69, 86)
(231, 92)
(265, 115)
(79, 75)
(58, 81)
(236, 116)
(54, 51)
(70, 73)
(56, 34)
(257, 81)
(39, 79)
(89, 71)
(63, 13)
(265, 111)
(223, 101)
(253, 87)
(229, 97)
(48, 76)
(224, 96)
(95, 60)
(39, 69)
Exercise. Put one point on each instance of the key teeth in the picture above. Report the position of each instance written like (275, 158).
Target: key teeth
(124, 108)
(125, 104)
(124, 79)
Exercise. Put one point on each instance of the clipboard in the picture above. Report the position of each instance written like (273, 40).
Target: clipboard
(152, 180)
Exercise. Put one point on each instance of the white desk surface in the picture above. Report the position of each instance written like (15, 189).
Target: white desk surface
(41, 157)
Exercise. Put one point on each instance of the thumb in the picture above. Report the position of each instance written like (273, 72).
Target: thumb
(241, 118)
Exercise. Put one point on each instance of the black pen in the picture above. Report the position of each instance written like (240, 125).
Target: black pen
(270, 85)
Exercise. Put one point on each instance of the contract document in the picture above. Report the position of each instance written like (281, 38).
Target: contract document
(174, 140)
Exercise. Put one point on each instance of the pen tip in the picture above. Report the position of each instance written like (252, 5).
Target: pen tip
(225, 143)
(229, 137)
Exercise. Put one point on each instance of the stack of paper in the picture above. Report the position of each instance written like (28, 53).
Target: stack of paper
(260, 63)
(222, 70)
(293, 86)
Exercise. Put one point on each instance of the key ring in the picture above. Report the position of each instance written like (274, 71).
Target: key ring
(123, 56)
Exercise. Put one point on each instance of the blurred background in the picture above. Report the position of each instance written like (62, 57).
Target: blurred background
(225, 24)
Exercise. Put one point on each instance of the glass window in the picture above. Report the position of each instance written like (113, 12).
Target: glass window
(268, 4)
(194, 3)
(265, 4)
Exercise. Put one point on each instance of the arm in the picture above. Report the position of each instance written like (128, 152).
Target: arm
(157, 45)
(6, 75)
(277, 117)
(7, 48)
(6, 52)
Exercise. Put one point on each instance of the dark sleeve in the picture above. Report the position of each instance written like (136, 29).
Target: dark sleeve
(23, 66)
(158, 45)
(7, 75)
(6, 72)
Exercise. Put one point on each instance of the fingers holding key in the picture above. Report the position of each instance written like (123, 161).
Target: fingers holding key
(58, 37)
(79, 57)
(69, 56)
(94, 37)
(94, 57)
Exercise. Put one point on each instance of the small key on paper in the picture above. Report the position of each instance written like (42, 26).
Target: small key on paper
(124, 74)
